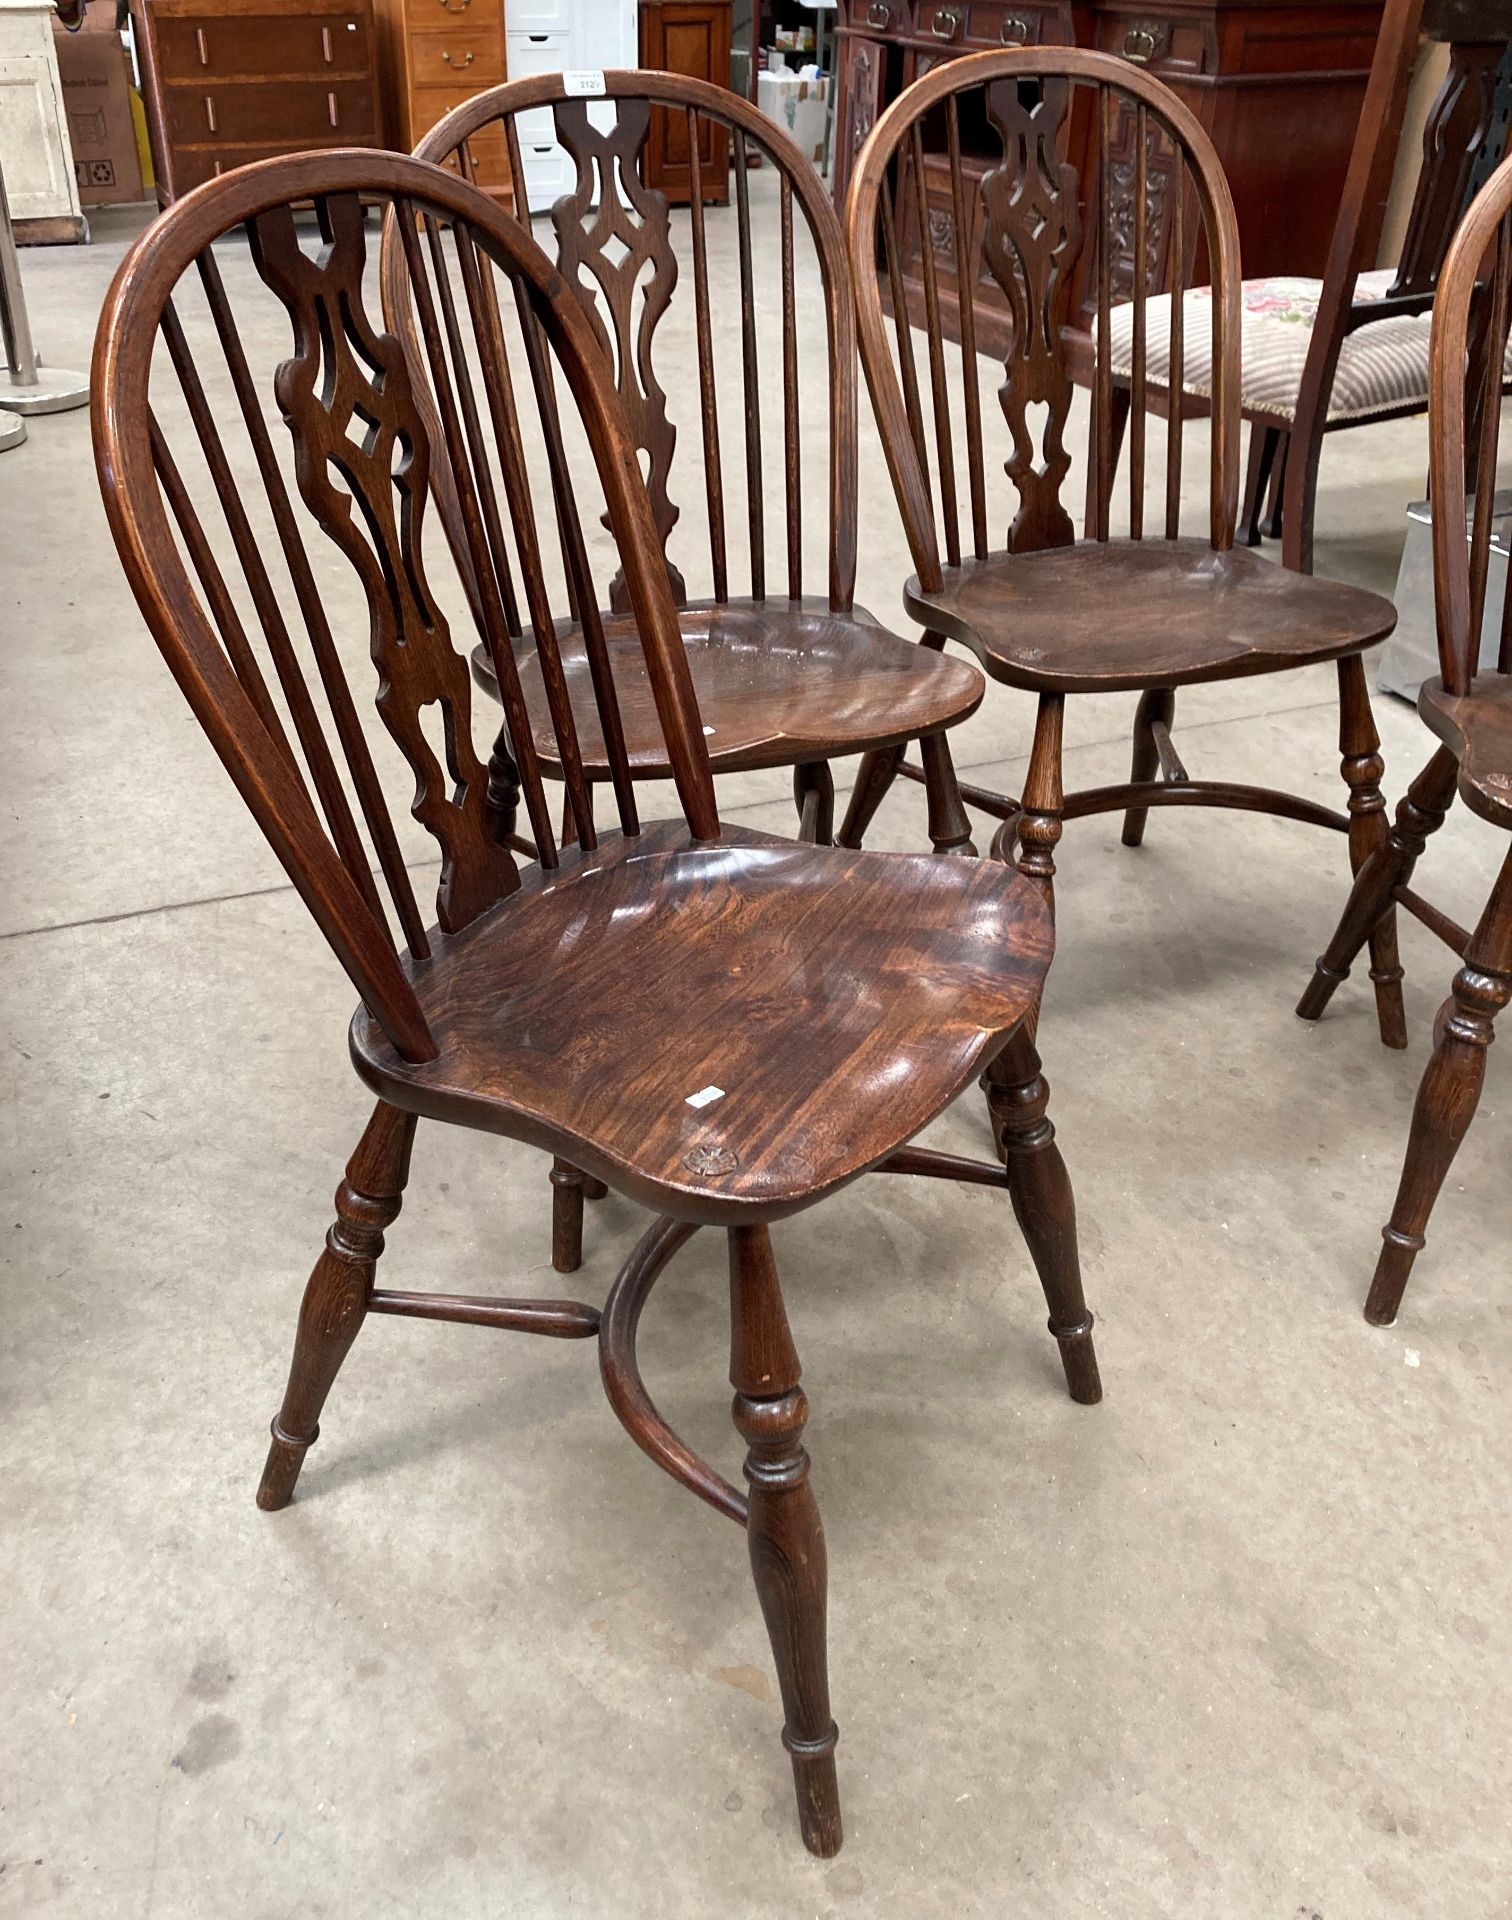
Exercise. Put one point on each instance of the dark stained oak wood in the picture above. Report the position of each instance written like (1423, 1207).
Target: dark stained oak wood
(1470, 711)
(781, 679)
(1044, 611)
(722, 1025)
(778, 684)
(817, 1000)
(1120, 615)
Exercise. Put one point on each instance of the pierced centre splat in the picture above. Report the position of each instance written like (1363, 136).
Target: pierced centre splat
(1031, 240)
(359, 438)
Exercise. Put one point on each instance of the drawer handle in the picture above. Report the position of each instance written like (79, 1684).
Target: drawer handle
(466, 60)
(331, 110)
(209, 113)
(200, 47)
(1016, 31)
(325, 44)
(460, 7)
(879, 14)
(945, 24)
(1140, 44)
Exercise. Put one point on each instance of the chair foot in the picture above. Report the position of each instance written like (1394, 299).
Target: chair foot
(335, 1298)
(783, 1529)
(1393, 1269)
(1018, 1097)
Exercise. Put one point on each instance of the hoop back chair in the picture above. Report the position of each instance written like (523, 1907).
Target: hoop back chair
(821, 1004)
(786, 675)
(1470, 711)
(1042, 611)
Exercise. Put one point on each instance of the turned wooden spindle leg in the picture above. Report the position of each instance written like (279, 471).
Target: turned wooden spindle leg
(783, 1527)
(1419, 814)
(1447, 1096)
(875, 775)
(569, 1189)
(814, 797)
(1155, 703)
(503, 788)
(949, 827)
(1362, 766)
(1018, 1097)
(1037, 827)
(335, 1298)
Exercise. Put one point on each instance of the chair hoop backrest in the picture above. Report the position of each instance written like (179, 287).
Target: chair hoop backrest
(1466, 382)
(362, 454)
(606, 282)
(1032, 241)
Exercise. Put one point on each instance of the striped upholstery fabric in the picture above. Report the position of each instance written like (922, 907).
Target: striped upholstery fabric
(1382, 365)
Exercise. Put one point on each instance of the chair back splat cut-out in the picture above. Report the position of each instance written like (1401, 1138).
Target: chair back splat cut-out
(1035, 110)
(249, 305)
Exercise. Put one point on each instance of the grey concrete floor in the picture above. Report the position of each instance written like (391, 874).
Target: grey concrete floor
(1235, 1643)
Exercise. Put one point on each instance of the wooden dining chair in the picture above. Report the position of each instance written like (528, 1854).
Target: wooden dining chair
(1044, 611)
(724, 1026)
(785, 676)
(1321, 356)
(1470, 712)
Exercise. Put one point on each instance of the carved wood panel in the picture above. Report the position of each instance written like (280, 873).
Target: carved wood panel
(360, 443)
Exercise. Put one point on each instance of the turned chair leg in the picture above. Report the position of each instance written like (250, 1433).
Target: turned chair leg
(877, 771)
(570, 1187)
(1362, 766)
(1036, 828)
(336, 1296)
(1263, 443)
(949, 827)
(1018, 1097)
(1448, 1095)
(814, 797)
(1277, 487)
(783, 1528)
(1420, 814)
(503, 788)
(1155, 703)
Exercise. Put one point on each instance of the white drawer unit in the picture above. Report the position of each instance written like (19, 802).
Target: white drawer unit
(556, 36)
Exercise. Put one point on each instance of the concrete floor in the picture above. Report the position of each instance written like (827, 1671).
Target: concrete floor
(1235, 1644)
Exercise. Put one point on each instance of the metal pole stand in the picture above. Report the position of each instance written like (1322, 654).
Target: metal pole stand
(26, 386)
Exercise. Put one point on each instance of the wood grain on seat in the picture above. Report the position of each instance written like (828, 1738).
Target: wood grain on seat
(1120, 614)
(839, 1000)
(778, 682)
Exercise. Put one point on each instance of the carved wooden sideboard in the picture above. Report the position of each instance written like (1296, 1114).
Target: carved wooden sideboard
(1278, 88)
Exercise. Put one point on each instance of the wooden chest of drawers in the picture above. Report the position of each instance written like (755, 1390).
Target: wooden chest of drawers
(434, 55)
(228, 81)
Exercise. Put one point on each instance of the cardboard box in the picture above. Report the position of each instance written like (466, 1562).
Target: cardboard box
(97, 101)
(798, 103)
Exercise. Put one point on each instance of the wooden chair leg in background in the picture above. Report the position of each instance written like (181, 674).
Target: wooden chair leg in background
(783, 1528)
(1362, 766)
(875, 775)
(570, 1187)
(1155, 703)
(949, 827)
(1018, 1097)
(814, 797)
(1263, 445)
(1447, 1096)
(1277, 489)
(336, 1296)
(1420, 814)
(1035, 830)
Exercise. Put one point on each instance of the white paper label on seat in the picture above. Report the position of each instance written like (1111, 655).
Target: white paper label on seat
(705, 1097)
(585, 81)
